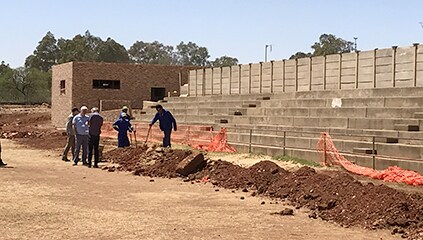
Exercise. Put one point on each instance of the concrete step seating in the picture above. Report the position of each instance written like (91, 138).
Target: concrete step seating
(393, 115)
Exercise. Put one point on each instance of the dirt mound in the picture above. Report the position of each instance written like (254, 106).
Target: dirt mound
(153, 161)
(337, 197)
(16, 120)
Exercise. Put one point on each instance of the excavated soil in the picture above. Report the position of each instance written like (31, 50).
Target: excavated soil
(31, 128)
(337, 197)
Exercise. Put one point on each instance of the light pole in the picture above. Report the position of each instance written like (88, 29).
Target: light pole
(355, 43)
(265, 51)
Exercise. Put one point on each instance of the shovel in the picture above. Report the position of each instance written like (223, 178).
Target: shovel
(148, 134)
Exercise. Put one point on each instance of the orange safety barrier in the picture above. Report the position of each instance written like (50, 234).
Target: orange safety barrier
(330, 155)
(219, 143)
(198, 136)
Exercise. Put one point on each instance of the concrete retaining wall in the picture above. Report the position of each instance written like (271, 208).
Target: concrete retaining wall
(379, 68)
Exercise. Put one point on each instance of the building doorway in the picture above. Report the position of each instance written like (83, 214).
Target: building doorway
(157, 93)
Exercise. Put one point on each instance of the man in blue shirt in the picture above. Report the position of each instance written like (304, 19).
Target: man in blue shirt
(167, 121)
(80, 125)
(95, 122)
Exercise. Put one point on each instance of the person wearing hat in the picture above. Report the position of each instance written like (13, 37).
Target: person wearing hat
(125, 110)
(80, 124)
(95, 122)
(70, 144)
(123, 125)
(167, 121)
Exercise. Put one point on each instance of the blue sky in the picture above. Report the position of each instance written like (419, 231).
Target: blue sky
(235, 28)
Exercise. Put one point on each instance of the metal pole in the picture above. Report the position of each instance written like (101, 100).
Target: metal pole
(265, 52)
(251, 139)
(355, 43)
(284, 143)
(373, 153)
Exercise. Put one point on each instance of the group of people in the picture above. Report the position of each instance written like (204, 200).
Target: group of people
(83, 132)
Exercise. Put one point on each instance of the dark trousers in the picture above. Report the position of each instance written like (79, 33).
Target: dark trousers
(93, 145)
(166, 138)
(81, 142)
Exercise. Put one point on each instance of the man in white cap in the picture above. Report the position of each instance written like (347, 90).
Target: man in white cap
(80, 124)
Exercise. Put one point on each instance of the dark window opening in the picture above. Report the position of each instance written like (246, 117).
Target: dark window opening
(157, 93)
(62, 87)
(106, 84)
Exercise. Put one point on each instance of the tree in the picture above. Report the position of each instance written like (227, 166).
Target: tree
(31, 85)
(21, 82)
(330, 44)
(81, 48)
(44, 55)
(151, 53)
(300, 55)
(192, 54)
(224, 61)
(5, 73)
(111, 51)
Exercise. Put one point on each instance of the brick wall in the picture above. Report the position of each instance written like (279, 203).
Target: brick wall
(136, 81)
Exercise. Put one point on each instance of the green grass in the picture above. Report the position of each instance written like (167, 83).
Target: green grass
(296, 160)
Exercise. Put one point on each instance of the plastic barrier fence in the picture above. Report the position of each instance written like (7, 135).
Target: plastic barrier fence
(330, 155)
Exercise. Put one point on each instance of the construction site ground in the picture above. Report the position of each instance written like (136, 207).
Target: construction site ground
(42, 197)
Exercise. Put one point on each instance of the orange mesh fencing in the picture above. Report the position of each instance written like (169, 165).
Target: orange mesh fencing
(218, 143)
(198, 136)
(330, 155)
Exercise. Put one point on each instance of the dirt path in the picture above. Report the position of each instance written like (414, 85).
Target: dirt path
(42, 197)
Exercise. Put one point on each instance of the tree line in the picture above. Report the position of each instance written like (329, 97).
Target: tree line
(32, 82)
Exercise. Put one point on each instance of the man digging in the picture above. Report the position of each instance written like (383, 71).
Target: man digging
(166, 122)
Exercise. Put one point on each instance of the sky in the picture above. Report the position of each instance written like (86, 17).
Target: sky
(236, 28)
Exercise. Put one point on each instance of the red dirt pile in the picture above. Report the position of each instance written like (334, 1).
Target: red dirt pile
(337, 197)
(25, 128)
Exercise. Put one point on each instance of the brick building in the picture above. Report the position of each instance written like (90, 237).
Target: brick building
(110, 85)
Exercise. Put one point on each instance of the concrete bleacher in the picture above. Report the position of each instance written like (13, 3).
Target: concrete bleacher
(393, 116)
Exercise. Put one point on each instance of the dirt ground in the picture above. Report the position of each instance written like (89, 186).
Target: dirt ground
(42, 197)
